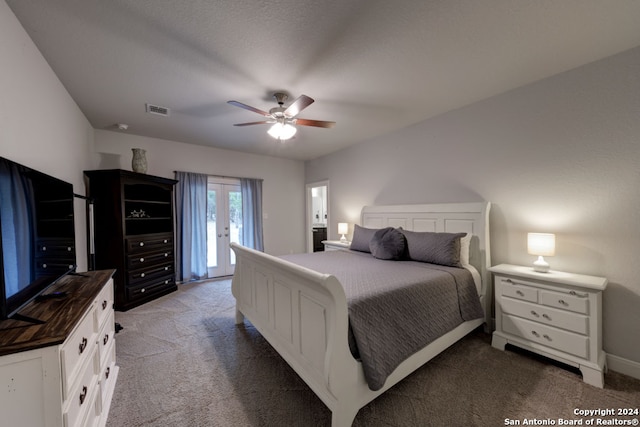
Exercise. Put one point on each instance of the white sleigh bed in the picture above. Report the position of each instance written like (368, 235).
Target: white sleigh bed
(303, 313)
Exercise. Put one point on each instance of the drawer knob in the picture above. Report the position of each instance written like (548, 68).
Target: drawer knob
(535, 334)
(166, 282)
(104, 304)
(107, 372)
(563, 302)
(142, 290)
(547, 337)
(83, 345)
(44, 248)
(166, 255)
(141, 274)
(105, 340)
(165, 241)
(166, 269)
(68, 249)
(519, 292)
(534, 313)
(546, 316)
(44, 265)
(508, 281)
(83, 395)
(141, 259)
(141, 243)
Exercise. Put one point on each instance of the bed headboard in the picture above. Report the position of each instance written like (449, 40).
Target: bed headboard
(443, 217)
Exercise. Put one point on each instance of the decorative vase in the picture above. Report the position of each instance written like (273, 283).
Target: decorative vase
(139, 160)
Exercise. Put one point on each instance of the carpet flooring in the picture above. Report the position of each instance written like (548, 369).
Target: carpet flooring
(183, 362)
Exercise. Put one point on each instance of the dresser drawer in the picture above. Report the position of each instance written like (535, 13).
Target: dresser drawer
(549, 316)
(565, 301)
(106, 335)
(104, 304)
(107, 375)
(513, 289)
(76, 349)
(568, 342)
(82, 397)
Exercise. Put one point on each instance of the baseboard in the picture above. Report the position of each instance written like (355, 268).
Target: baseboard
(623, 366)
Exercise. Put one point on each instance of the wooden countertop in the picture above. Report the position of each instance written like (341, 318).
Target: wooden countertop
(60, 315)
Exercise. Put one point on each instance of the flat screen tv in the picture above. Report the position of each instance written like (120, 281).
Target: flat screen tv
(37, 234)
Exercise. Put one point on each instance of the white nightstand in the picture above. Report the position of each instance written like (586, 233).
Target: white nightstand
(555, 314)
(334, 245)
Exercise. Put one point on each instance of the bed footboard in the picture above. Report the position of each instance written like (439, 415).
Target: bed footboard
(303, 315)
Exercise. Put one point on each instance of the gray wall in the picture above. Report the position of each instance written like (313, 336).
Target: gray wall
(40, 124)
(561, 155)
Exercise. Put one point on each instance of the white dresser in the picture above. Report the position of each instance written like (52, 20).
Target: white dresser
(555, 314)
(63, 372)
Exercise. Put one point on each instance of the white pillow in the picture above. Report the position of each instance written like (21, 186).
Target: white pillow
(465, 242)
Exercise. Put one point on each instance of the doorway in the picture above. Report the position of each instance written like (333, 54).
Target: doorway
(317, 215)
(224, 224)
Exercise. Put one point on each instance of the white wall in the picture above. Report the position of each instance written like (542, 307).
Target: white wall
(40, 125)
(283, 185)
(561, 155)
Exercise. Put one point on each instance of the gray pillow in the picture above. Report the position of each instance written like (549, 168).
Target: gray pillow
(388, 243)
(361, 238)
(434, 248)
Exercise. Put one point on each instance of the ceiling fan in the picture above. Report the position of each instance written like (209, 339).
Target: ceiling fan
(283, 118)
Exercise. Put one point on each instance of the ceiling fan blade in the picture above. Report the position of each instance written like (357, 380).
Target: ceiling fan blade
(249, 107)
(298, 105)
(263, 122)
(316, 123)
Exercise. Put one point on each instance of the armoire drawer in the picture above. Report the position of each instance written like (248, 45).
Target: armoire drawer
(150, 287)
(142, 260)
(149, 243)
(150, 273)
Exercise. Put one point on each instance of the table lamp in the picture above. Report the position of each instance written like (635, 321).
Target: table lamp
(343, 228)
(541, 244)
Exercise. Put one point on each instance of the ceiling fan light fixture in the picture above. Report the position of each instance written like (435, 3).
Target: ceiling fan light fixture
(282, 131)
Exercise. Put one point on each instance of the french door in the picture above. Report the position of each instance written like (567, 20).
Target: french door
(224, 225)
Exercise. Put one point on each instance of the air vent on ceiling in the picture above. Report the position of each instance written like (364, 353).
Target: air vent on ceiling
(156, 109)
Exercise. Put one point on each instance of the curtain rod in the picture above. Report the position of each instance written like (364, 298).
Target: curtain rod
(222, 176)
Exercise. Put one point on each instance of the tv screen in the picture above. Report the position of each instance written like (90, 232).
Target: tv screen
(37, 230)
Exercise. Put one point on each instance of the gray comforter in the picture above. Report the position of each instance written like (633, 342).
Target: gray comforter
(396, 307)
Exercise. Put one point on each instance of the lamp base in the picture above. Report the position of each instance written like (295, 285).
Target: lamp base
(540, 265)
(343, 239)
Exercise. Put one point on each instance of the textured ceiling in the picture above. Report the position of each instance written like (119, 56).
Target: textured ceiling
(372, 66)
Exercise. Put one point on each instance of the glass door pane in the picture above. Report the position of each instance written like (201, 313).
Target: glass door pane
(234, 197)
(212, 247)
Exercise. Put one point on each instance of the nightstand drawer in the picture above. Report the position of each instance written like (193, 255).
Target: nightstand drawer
(565, 301)
(514, 290)
(549, 316)
(565, 341)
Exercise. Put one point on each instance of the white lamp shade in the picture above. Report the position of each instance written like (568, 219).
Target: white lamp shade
(542, 244)
(343, 228)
